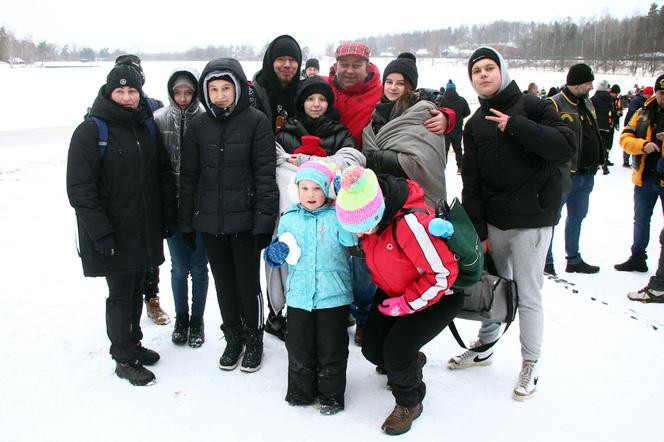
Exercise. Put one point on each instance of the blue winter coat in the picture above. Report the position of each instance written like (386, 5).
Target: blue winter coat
(321, 278)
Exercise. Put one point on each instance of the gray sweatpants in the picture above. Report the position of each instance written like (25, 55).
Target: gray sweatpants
(519, 254)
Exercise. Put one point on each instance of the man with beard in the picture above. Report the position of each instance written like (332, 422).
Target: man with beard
(276, 83)
(578, 112)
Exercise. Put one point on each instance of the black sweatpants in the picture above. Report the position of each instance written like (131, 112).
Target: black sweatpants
(235, 266)
(124, 306)
(151, 283)
(317, 344)
(393, 343)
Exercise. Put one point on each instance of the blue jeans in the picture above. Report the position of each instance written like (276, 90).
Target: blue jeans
(184, 262)
(645, 198)
(577, 201)
(364, 289)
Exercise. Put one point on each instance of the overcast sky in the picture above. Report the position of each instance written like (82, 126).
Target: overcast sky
(145, 26)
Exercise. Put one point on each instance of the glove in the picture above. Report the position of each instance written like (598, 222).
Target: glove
(105, 245)
(276, 253)
(395, 307)
(190, 240)
(262, 240)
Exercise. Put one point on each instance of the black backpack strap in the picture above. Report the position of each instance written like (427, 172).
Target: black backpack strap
(402, 213)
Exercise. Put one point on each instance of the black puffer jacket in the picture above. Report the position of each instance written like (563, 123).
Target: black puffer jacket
(604, 110)
(510, 178)
(227, 172)
(128, 192)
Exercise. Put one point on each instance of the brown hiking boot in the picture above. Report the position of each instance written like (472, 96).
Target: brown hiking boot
(401, 419)
(154, 311)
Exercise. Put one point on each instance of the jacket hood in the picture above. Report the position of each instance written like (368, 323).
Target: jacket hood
(193, 76)
(217, 68)
(505, 79)
(399, 193)
(266, 76)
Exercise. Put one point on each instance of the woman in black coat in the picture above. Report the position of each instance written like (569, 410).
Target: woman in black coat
(124, 197)
(228, 191)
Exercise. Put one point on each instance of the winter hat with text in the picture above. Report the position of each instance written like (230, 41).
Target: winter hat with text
(578, 74)
(360, 204)
(121, 76)
(659, 83)
(404, 66)
(352, 48)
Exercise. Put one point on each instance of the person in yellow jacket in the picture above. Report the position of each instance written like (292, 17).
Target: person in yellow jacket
(642, 139)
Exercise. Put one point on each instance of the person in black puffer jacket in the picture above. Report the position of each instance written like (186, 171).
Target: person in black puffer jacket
(124, 197)
(315, 115)
(228, 191)
(512, 192)
(459, 104)
(606, 112)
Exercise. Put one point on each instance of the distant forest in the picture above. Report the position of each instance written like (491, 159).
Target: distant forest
(608, 44)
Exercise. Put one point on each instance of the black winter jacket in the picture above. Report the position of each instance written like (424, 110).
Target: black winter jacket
(510, 178)
(128, 192)
(332, 133)
(604, 110)
(228, 163)
(455, 101)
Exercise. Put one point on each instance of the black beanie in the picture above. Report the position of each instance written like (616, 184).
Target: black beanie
(615, 89)
(313, 85)
(404, 66)
(121, 76)
(659, 83)
(479, 54)
(132, 61)
(578, 74)
(286, 47)
(312, 63)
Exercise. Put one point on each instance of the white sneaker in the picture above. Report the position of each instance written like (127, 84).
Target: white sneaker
(647, 295)
(527, 383)
(471, 358)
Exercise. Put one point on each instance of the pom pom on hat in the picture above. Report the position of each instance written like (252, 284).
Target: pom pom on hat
(450, 85)
(404, 66)
(360, 205)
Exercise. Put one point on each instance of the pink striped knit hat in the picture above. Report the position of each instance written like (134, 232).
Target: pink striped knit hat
(360, 203)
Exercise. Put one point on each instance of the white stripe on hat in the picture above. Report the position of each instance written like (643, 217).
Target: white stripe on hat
(433, 259)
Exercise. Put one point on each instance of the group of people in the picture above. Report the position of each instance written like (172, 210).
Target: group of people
(333, 181)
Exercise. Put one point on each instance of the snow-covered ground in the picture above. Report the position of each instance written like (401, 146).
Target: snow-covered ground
(602, 364)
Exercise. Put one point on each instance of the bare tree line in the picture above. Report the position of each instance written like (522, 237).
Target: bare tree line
(608, 43)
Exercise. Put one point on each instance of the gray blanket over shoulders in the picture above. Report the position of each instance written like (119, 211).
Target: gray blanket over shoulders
(421, 153)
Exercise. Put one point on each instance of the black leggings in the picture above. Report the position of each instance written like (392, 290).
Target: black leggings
(235, 266)
(123, 315)
(393, 343)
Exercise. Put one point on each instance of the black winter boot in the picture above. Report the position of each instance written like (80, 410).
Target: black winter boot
(253, 353)
(181, 328)
(234, 345)
(276, 325)
(145, 356)
(633, 264)
(134, 373)
(196, 332)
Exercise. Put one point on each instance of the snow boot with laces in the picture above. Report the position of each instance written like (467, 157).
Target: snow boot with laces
(253, 352)
(234, 346)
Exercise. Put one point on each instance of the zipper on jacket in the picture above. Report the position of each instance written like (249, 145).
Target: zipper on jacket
(142, 191)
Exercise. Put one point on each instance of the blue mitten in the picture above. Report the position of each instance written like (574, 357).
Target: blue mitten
(276, 253)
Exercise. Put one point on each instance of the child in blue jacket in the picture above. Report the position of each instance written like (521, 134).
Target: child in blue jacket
(318, 290)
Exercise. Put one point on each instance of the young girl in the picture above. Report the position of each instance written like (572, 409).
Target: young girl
(413, 270)
(229, 193)
(313, 132)
(319, 290)
(187, 252)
